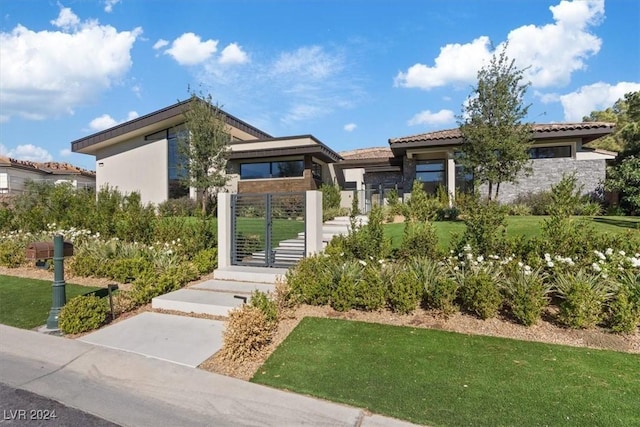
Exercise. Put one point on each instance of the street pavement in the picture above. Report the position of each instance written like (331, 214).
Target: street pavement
(130, 389)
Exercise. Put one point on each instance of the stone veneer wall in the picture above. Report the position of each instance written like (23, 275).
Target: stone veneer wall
(547, 172)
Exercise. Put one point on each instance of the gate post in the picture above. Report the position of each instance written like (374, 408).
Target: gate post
(224, 230)
(313, 222)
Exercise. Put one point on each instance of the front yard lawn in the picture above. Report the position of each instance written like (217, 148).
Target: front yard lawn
(25, 303)
(528, 226)
(444, 378)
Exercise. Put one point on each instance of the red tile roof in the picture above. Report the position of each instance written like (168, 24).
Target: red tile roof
(56, 168)
(542, 128)
(367, 153)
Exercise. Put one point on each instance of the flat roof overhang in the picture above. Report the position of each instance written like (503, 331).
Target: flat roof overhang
(144, 125)
(314, 148)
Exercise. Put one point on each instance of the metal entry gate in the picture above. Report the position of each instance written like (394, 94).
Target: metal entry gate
(267, 229)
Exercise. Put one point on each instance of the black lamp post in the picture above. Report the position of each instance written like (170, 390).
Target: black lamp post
(59, 289)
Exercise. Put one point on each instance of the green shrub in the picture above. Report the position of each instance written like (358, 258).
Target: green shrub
(519, 209)
(366, 242)
(330, 196)
(248, 244)
(421, 207)
(343, 296)
(126, 270)
(205, 260)
(370, 292)
(331, 213)
(311, 281)
(527, 295)
(441, 294)
(12, 253)
(266, 305)
(418, 239)
(624, 307)
(404, 290)
(6, 217)
(480, 294)
(184, 206)
(583, 297)
(538, 203)
(151, 284)
(87, 265)
(82, 314)
(485, 223)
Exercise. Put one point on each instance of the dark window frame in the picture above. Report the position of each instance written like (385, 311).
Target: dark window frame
(551, 152)
(274, 172)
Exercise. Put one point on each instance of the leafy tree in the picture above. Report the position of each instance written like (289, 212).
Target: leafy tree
(625, 175)
(496, 142)
(204, 146)
(616, 114)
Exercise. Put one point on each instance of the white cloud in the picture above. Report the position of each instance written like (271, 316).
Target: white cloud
(28, 152)
(65, 152)
(350, 127)
(597, 96)
(312, 62)
(233, 54)
(108, 5)
(3, 150)
(552, 51)
(160, 44)
(105, 121)
(48, 73)
(428, 118)
(189, 49)
(457, 63)
(67, 20)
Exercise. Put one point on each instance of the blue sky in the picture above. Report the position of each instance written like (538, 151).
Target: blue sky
(353, 73)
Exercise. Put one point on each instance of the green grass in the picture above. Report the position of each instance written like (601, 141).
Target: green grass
(444, 378)
(528, 226)
(281, 229)
(25, 303)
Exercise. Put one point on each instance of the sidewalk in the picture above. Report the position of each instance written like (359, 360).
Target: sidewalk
(133, 390)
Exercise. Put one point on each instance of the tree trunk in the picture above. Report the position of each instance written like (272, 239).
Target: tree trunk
(204, 202)
(490, 189)
(497, 191)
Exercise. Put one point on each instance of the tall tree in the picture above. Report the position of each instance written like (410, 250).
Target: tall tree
(204, 146)
(624, 176)
(495, 140)
(616, 114)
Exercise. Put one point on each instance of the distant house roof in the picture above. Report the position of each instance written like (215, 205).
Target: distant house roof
(367, 153)
(53, 168)
(588, 131)
(174, 112)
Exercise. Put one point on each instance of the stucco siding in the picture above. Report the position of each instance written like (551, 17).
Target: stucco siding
(135, 165)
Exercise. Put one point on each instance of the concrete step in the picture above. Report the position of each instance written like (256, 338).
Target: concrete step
(250, 274)
(197, 301)
(231, 286)
(292, 243)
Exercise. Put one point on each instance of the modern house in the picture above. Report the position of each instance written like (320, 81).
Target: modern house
(14, 174)
(141, 155)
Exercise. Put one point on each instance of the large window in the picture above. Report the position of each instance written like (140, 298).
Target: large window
(432, 174)
(276, 169)
(177, 165)
(550, 152)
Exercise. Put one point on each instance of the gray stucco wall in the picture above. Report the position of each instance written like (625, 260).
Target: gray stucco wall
(547, 172)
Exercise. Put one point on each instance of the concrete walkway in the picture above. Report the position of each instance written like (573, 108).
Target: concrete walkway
(133, 390)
